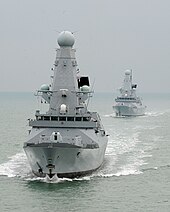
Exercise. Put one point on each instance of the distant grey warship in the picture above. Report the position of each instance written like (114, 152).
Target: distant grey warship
(128, 103)
(68, 140)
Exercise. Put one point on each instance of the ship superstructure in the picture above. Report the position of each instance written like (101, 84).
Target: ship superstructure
(68, 140)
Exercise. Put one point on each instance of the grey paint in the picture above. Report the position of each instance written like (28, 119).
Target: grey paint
(128, 103)
(56, 145)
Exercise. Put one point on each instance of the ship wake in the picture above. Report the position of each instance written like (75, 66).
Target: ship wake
(126, 154)
(16, 166)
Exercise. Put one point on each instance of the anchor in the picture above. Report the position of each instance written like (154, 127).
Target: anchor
(50, 167)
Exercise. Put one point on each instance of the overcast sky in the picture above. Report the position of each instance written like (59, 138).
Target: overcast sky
(111, 36)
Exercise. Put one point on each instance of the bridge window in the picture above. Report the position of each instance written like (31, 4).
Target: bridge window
(62, 118)
(46, 118)
(70, 118)
(78, 118)
(54, 118)
(85, 118)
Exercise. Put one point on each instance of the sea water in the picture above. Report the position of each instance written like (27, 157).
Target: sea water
(135, 175)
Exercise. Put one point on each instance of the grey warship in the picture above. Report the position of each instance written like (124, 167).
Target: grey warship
(128, 103)
(68, 140)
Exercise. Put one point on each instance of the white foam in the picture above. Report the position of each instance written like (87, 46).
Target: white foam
(154, 113)
(16, 166)
(124, 154)
(126, 172)
(109, 115)
(123, 157)
(55, 179)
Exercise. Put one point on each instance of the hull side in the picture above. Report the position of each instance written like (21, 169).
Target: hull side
(127, 110)
(65, 162)
(64, 159)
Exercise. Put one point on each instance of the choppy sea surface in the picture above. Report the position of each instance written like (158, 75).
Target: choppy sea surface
(135, 175)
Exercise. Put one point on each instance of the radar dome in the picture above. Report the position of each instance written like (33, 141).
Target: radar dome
(66, 39)
(44, 87)
(128, 72)
(84, 88)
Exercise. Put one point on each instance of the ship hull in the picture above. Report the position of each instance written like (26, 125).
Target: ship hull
(129, 110)
(65, 160)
